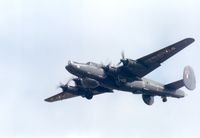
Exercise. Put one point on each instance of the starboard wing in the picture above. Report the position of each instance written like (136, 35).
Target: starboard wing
(60, 96)
(68, 95)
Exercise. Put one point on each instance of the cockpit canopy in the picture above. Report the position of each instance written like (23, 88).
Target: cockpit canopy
(94, 64)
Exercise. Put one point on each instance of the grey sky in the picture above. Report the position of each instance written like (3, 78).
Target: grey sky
(38, 37)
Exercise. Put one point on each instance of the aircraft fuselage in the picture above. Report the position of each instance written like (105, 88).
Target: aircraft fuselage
(137, 86)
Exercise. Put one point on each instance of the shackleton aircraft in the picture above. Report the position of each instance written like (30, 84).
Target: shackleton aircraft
(93, 79)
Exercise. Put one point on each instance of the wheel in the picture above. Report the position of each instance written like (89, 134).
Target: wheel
(164, 99)
(148, 99)
(89, 96)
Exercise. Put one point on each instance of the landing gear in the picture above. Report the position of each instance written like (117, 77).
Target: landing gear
(164, 99)
(148, 99)
(89, 95)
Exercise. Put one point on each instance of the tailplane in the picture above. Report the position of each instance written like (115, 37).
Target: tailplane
(189, 80)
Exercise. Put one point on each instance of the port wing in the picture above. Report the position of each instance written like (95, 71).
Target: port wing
(154, 60)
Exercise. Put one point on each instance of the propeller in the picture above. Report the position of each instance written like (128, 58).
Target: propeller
(106, 63)
(65, 86)
(109, 64)
(123, 55)
(106, 67)
(60, 85)
(77, 81)
(123, 59)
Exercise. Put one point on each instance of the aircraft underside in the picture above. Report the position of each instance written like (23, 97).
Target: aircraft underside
(93, 79)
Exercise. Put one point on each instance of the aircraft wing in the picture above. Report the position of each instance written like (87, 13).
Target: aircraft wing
(60, 96)
(153, 60)
(67, 95)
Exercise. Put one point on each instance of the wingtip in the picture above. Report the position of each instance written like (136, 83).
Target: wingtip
(190, 40)
(47, 100)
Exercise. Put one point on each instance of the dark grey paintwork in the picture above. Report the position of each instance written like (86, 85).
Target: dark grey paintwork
(93, 78)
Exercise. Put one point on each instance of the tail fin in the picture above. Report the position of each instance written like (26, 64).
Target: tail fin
(189, 80)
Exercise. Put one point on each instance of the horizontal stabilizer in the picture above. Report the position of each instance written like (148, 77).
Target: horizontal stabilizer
(188, 80)
(175, 85)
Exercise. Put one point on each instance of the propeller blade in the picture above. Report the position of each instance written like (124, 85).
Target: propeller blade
(109, 64)
(122, 59)
(123, 55)
(60, 85)
(69, 81)
(119, 63)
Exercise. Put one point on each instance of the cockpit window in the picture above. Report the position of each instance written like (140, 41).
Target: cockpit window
(88, 63)
(93, 64)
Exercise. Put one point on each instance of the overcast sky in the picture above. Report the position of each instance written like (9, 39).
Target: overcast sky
(38, 37)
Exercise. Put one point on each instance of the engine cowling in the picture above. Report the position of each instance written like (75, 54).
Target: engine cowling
(109, 70)
(89, 95)
(132, 63)
(148, 99)
(89, 83)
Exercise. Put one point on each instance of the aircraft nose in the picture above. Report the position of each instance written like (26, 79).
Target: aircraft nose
(69, 66)
(73, 68)
(70, 62)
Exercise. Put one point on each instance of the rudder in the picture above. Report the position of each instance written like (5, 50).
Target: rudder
(189, 79)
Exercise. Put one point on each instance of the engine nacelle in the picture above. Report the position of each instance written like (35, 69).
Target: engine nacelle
(134, 64)
(109, 70)
(89, 95)
(89, 83)
(148, 99)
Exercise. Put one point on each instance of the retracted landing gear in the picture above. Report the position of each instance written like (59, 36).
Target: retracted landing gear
(89, 95)
(164, 99)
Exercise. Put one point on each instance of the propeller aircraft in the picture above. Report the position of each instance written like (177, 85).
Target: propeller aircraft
(128, 76)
